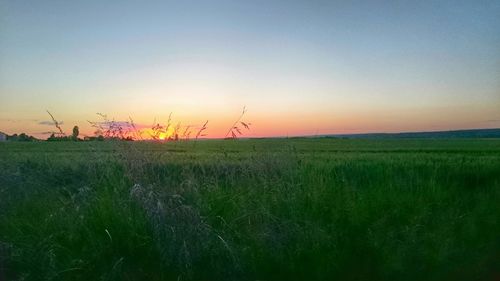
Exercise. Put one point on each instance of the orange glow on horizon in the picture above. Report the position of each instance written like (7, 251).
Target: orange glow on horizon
(292, 122)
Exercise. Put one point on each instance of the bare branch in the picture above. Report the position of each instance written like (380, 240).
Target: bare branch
(56, 123)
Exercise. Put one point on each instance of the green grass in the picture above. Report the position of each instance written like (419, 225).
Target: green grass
(274, 209)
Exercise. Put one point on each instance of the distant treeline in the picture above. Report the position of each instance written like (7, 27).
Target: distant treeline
(27, 138)
(474, 133)
(94, 138)
(21, 137)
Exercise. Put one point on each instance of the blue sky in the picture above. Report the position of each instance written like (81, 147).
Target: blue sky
(298, 66)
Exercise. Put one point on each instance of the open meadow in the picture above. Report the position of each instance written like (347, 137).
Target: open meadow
(261, 209)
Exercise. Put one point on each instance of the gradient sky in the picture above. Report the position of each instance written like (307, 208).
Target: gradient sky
(300, 67)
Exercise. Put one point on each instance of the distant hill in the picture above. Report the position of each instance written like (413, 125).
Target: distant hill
(475, 133)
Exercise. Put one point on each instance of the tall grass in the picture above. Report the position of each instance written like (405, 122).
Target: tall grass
(235, 130)
(251, 210)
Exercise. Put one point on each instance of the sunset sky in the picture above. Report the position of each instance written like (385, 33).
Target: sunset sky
(300, 67)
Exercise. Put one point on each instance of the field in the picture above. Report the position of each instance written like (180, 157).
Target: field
(269, 209)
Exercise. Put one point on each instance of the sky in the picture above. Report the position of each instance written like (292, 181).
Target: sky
(300, 67)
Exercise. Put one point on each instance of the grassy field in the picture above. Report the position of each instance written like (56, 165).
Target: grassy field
(275, 209)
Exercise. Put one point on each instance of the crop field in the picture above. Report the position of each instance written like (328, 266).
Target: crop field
(262, 209)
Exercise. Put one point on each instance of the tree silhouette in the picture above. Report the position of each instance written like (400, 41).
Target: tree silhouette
(76, 132)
